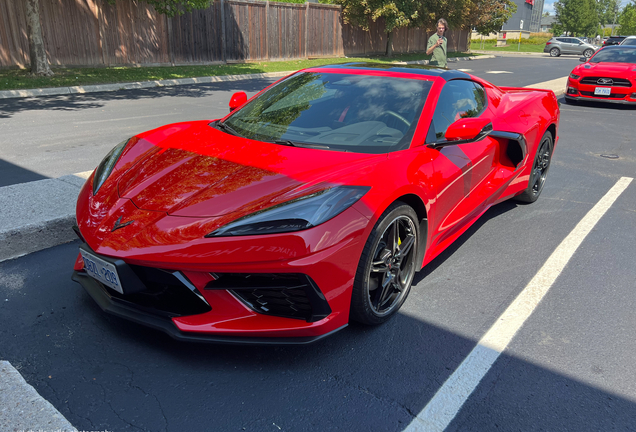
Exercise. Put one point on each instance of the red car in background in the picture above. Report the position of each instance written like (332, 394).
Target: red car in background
(608, 76)
(310, 205)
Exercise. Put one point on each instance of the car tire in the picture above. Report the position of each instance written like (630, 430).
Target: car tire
(540, 167)
(555, 52)
(588, 53)
(387, 266)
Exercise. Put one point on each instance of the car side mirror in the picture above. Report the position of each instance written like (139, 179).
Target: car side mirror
(238, 99)
(468, 129)
(583, 59)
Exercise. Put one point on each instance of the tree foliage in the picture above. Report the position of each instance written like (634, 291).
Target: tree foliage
(487, 16)
(607, 11)
(396, 14)
(174, 7)
(576, 17)
(627, 19)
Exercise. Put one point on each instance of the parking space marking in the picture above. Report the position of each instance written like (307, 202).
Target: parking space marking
(444, 406)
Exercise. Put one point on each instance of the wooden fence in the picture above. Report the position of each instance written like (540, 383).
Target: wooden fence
(96, 33)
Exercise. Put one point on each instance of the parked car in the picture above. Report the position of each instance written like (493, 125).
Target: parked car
(608, 76)
(613, 40)
(311, 204)
(629, 40)
(568, 45)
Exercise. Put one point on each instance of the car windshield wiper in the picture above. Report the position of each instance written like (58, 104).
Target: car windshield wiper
(291, 143)
(225, 128)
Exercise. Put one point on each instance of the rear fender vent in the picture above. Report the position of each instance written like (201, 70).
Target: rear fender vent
(516, 149)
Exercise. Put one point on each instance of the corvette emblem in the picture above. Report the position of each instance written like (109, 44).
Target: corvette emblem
(118, 224)
(606, 81)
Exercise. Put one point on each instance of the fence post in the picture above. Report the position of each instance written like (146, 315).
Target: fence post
(306, 27)
(267, 30)
(170, 38)
(223, 47)
(103, 44)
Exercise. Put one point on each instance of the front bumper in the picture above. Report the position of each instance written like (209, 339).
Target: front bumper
(576, 91)
(126, 310)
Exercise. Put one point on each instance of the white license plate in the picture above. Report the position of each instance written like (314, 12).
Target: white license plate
(602, 91)
(101, 270)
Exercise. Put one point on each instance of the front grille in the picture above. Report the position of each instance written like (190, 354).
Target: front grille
(611, 96)
(617, 82)
(288, 295)
(166, 293)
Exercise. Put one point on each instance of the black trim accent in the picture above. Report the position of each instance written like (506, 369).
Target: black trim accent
(118, 308)
(447, 74)
(78, 233)
(160, 292)
(288, 295)
(617, 82)
(600, 99)
(516, 137)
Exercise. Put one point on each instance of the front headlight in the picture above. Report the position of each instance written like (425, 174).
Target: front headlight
(106, 165)
(574, 76)
(296, 215)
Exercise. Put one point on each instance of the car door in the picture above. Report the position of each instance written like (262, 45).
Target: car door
(462, 169)
(566, 46)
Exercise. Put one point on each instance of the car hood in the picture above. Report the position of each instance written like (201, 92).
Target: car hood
(622, 70)
(194, 170)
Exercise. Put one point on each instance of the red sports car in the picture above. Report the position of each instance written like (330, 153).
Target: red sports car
(608, 76)
(312, 204)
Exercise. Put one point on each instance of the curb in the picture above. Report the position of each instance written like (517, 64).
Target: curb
(55, 91)
(23, 409)
(43, 220)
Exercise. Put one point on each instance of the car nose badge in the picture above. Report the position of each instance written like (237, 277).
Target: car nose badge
(118, 224)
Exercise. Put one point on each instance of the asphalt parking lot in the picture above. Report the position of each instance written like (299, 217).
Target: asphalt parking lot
(570, 367)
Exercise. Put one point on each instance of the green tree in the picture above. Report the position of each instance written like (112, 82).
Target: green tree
(37, 54)
(627, 19)
(607, 11)
(396, 14)
(576, 17)
(487, 16)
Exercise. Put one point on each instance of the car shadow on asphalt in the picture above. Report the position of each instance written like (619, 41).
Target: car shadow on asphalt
(10, 107)
(103, 372)
(491, 213)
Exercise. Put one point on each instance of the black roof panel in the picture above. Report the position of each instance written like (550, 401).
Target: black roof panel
(415, 69)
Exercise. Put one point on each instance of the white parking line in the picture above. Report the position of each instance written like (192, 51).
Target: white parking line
(498, 72)
(448, 400)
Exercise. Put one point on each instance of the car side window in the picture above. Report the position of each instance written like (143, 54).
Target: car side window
(458, 99)
(561, 39)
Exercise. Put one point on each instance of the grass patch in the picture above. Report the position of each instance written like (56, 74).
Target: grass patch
(513, 45)
(16, 79)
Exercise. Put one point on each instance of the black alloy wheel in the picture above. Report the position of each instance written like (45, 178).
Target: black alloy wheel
(539, 172)
(387, 266)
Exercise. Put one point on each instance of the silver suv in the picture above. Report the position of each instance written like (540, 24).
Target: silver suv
(568, 45)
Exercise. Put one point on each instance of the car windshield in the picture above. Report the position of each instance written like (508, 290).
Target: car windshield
(357, 113)
(629, 41)
(627, 55)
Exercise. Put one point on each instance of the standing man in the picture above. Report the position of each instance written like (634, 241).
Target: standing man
(437, 45)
